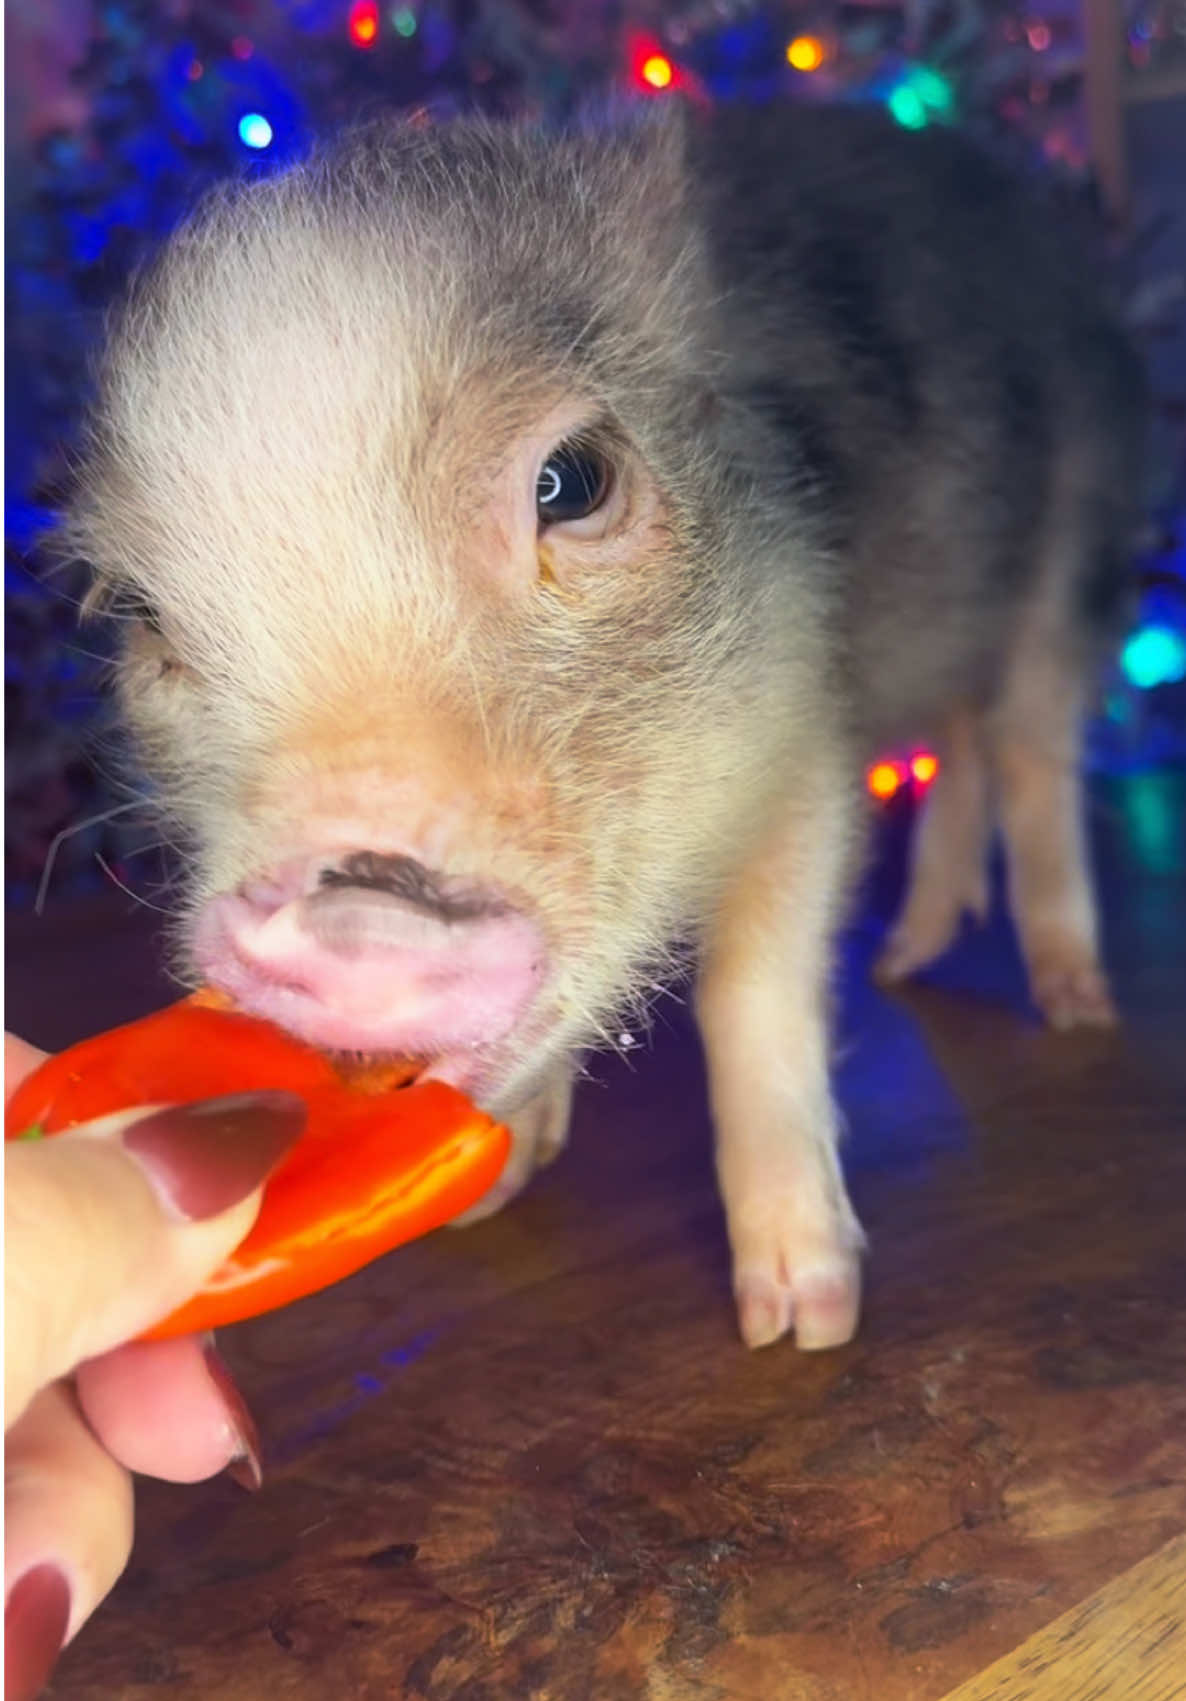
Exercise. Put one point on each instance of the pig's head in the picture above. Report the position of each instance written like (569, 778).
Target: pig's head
(450, 588)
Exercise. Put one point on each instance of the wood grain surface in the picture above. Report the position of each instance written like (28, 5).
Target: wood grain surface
(1127, 1643)
(531, 1460)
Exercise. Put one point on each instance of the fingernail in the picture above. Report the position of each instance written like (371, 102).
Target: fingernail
(36, 1617)
(245, 1467)
(203, 1158)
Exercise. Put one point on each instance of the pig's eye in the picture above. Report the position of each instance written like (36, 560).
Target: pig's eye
(128, 603)
(572, 483)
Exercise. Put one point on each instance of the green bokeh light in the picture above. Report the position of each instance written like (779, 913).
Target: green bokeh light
(933, 90)
(404, 20)
(921, 95)
(907, 108)
(1157, 825)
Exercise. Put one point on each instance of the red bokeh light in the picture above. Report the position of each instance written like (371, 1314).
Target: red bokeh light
(651, 68)
(364, 23)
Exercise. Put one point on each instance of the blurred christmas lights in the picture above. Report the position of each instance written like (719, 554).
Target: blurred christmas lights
(403, 21)
(651, 69)
(255, 131)
(364, 23)
(907, 108)
(920, 96)
(1156, 655)
(886, 779)
(805, 53)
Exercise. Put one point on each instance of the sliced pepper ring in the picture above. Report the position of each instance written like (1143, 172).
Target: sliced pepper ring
(384, 1158)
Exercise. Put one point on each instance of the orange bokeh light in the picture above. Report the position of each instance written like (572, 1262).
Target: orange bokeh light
(805, 53)
(656, 70)
(883, 779)
(924, 767)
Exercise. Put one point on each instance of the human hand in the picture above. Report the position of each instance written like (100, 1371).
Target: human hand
(109, 1228)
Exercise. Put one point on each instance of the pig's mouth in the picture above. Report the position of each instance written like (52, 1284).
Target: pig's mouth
(375, 955)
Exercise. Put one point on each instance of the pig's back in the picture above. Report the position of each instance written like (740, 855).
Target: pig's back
(925, 332)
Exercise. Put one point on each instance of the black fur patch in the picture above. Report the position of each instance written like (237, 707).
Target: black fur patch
(1107, 588)
(1022, 403)
(841, 276)
(813, 456)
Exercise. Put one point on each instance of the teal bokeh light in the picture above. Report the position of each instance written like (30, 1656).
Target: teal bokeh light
(1156, 655)
(255, 131)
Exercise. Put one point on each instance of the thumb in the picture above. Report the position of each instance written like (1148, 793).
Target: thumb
(110, 1227)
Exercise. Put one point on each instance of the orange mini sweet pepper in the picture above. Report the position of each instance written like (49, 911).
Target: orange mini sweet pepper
(384, 1158)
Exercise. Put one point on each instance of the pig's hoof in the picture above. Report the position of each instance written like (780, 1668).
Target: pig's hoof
(1071, 992)
(538, 1132)
(906, 952)
(929, 924)
(820, 1302)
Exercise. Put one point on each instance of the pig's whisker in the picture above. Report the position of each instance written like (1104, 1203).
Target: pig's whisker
(136, 897)
(59, 840)
(88, 655)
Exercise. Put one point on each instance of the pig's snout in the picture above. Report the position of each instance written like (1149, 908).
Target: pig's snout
(375, 952)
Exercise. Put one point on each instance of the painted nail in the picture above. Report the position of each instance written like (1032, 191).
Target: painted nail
(204, 1158)
(244, 1468)
(36, 1617)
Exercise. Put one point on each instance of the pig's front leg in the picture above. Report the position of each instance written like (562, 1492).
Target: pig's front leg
(539, 1129)
(762, 1007)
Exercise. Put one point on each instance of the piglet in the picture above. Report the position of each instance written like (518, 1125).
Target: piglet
(525, 539)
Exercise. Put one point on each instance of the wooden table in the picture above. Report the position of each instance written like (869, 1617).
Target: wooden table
(532, 1461)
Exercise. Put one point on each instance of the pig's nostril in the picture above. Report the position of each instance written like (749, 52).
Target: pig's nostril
(413, 884)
